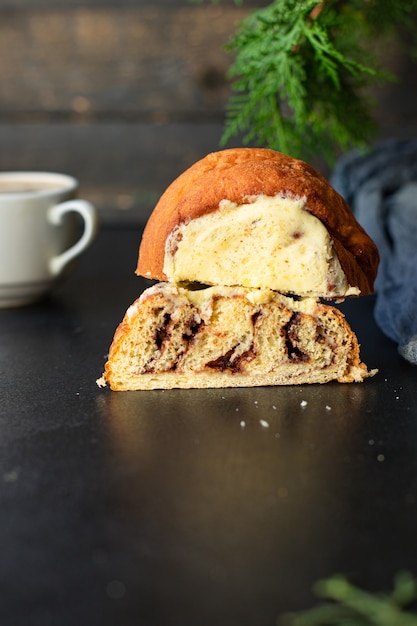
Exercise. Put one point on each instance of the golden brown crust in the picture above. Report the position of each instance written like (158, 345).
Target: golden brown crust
(240, 173)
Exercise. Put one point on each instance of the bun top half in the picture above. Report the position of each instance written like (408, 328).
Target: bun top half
(239, 209)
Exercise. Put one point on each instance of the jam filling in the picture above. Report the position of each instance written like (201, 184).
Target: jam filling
(291, 339)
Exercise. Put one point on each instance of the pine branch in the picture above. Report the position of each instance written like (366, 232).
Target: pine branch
(348, 605)
(286, 62)
(299, 72)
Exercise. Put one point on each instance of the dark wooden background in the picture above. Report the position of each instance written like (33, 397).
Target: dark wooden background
(126, 94)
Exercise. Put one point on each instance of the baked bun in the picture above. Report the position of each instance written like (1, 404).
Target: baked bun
(229, 337)
(259, 219)
(244, 244)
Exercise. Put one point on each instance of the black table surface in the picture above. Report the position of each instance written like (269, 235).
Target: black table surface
(160, 507)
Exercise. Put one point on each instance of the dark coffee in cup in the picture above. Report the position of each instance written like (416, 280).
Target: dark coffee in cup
(18, 187)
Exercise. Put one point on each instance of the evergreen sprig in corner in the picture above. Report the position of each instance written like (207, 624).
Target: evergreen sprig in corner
(300, 71)
(346, 604)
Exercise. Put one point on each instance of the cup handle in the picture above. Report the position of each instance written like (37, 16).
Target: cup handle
(89, 215)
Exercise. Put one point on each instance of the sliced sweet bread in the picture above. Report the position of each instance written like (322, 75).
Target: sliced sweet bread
(174, 337)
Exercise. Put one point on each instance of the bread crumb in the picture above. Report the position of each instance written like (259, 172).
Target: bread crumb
(264, 423)
(328, 408)
(303, 403)
(242, 424)
(11, 477)
(115, 589)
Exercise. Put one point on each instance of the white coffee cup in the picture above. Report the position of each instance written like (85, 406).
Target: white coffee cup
(39, 233)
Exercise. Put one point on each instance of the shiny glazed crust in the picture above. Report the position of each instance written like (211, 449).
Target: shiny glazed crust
(243, 173)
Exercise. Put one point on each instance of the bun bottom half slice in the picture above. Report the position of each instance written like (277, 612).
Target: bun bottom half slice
(177, 337)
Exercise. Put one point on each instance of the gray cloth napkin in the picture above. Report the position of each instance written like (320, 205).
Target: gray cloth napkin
(381, 188)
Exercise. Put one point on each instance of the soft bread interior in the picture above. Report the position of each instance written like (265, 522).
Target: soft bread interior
(229, 337)
(267, 242)
(239, 176)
